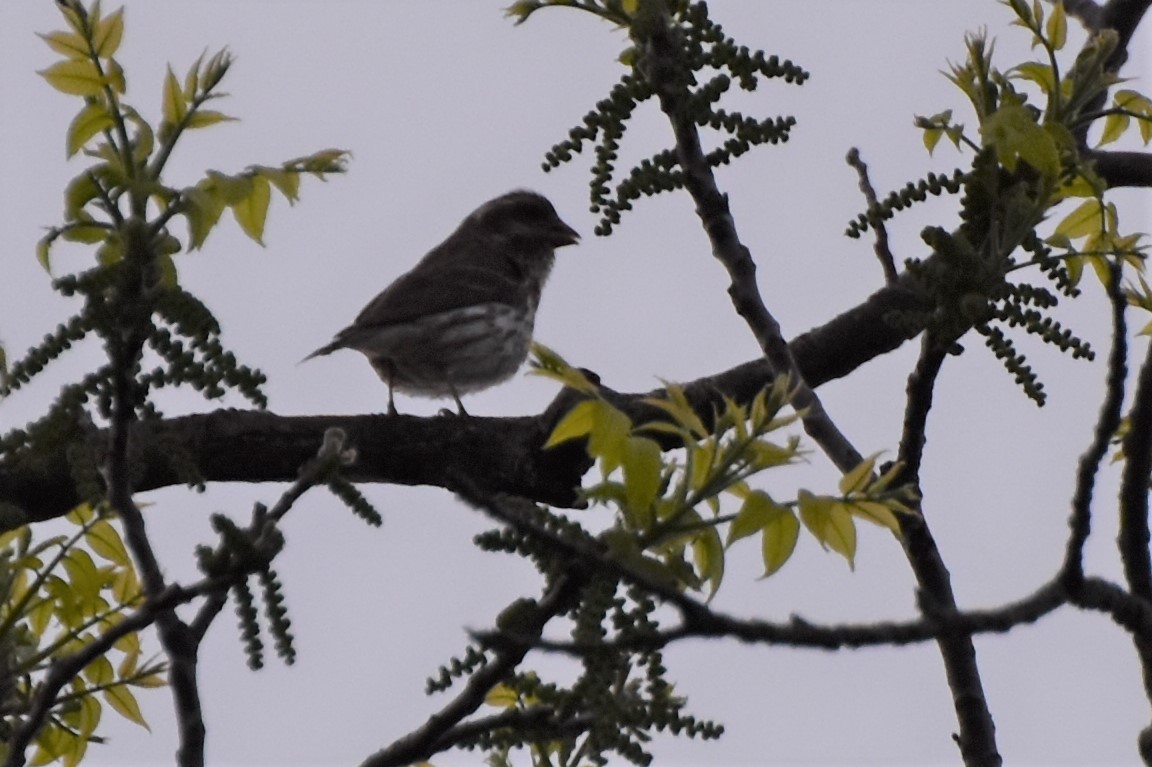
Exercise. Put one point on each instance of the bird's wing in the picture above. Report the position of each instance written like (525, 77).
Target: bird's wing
(420, 293)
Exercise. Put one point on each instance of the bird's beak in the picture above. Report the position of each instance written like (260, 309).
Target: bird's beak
(562, 235)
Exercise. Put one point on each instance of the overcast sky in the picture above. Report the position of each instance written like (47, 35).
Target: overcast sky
(445, 105)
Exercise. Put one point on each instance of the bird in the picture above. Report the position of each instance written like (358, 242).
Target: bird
(461, 319)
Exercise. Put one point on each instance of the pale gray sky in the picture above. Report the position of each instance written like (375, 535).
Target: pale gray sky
(445, 105)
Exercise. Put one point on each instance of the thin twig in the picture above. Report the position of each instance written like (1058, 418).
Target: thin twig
(883, 251)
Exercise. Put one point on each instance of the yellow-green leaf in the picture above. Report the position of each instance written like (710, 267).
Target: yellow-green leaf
(252, 211)
(857, 479)
(124, 702)
(610, 430)
(99, 672)
(108, 33)
(502, 696)
(830, 522)
(1013, 132)
(1057, 26)
(642, 473)
(708, 552)
(74, 77)
(205, 117)
(757, 510)
(114, 76)
(1085, 220)
(173, 107)
(575, 425)
(1114, 127)
(92, 119)
(105, 541)
(67, 44)
(287, 182)
(932, 137)
(877, 513)
(1041, 74)
(778, 539)
(43, 250)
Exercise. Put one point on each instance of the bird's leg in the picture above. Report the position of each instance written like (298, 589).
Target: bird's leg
(459, 405)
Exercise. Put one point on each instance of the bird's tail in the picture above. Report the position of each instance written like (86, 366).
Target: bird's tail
(328, 349)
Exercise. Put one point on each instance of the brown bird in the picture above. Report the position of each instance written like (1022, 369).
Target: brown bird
(461, 320)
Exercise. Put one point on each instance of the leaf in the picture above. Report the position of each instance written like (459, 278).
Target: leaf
(708, 552)
(1013, 132)
(202, 210)
(43, 248)
(107, 35)
(252, 211)
(1114, 127)
(67, 44)
(502, 696)
(124, 702)
(91, 120)
(575, 425)
(86, 233)
(778, 540)
(877, 513)
(1057, 26)
(105, 542)
(204, 118)
(99, 672)
(1041, 74)
(76, 78)
(830, 522)
(610, 430)
(173, 107)
(757, 511)
(286, 182)
(857, 479)
(643, 468)
(1086, 219)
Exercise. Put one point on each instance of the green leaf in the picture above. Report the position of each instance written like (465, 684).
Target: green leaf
(91, 120)
(252, 211)
(108, 33)
(173, 106)
(124, 702)
(74, 77)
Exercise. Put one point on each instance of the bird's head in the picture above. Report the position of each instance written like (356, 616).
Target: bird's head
(524, 221)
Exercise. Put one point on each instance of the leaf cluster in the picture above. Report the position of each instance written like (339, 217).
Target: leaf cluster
(57, 596)
(708, 62)
(1027, 160)
(620, 698)
(120, 205)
